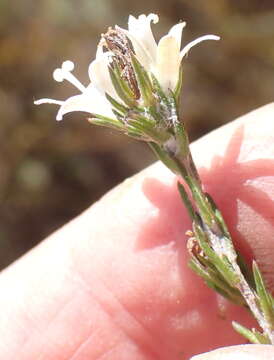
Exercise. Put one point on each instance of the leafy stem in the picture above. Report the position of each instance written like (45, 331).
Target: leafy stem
(213, 256)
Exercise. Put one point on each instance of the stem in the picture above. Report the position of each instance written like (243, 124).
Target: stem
(219, 239)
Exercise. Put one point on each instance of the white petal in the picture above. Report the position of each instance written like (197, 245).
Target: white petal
(48, 101)
(99, 75)
(140, 29)
(98, 102)
(168, 62)
(176, 32)
(142, 54)
(92, 102)
(186, 49)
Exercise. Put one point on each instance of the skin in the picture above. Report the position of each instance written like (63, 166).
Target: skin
(114, 282)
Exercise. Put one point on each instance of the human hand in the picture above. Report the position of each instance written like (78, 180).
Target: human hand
(114, 282)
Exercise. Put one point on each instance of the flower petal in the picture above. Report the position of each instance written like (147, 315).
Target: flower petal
(140, 29)
(91, 101)
(141, 53)
(186, 49)
(168, 62)
(176, 32)
(48, 101)
(99, 74)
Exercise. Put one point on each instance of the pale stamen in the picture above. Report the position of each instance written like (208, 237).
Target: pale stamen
(64, 73)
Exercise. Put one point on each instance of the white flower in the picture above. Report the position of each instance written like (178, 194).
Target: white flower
(92, 99)
(163, 60)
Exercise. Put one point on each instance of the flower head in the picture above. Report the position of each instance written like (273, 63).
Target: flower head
(134, 82)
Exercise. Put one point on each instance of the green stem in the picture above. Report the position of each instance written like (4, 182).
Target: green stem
(175, 153)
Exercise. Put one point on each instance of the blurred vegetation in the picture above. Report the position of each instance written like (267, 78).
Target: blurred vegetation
(50, 172)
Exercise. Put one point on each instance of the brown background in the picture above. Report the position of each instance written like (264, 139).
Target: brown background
(50, 172)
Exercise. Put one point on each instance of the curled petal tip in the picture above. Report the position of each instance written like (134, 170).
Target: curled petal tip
(153, 17)
(213, 37)
(48, 101)
(186, 49)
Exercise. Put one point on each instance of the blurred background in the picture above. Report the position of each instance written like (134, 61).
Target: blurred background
(49, 171)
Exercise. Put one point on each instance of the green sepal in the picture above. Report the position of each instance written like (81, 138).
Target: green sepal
(159, 90)
(150, 132)
(178, 87)
(118, 106)
(144, 82)
(179, 129)
(146, 121)
(121, 88)
(134, 132)
(118, 115)
(105, 121)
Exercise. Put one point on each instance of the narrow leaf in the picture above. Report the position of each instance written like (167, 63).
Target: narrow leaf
(264, 297)
(252, 336)
(164, 157)
(221, 263)
(186, 201)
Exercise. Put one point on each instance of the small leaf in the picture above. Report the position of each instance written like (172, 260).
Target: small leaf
(253, 336)
(218, 216)
(265, 299)
(203, 205)
(221, 264)
(164, 157)
(246, 271)
(214, 281)
(186, 201)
